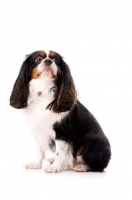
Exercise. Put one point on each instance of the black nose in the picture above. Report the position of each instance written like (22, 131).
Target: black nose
(48, 61)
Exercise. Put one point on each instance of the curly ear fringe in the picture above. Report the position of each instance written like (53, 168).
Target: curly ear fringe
(66, 99)
(19, 95)
(66, 93)
(20, 92)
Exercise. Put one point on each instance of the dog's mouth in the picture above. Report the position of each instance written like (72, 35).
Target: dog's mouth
(43, 71)
(46, 71)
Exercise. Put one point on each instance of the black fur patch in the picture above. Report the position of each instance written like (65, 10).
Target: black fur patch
(81, 129)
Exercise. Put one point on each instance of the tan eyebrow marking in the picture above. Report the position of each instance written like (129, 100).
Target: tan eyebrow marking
(42, 53)
(52, 54)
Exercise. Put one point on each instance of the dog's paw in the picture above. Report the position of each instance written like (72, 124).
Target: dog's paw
(80, 168)
(34, 165)
(53, 169)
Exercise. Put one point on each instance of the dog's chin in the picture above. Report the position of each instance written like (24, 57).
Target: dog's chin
(47, 73)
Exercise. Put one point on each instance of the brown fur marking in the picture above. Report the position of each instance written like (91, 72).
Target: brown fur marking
(35, 73)
(42, 53)
(52, 54)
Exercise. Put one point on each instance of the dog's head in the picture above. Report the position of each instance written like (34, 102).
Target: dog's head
(48, 66)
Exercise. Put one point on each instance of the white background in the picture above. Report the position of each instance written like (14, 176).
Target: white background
(95, 38)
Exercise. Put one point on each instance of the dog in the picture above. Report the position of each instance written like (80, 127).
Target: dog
(45, 90)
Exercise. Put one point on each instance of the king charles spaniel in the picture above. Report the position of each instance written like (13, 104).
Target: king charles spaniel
(45, 90)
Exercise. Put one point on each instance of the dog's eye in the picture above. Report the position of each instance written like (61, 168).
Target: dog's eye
(38, 75)
(38, 59)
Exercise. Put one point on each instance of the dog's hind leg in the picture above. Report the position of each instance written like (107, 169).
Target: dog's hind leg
(79, 165)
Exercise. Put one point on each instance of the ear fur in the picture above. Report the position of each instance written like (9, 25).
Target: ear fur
(20, 92)
(66, 95)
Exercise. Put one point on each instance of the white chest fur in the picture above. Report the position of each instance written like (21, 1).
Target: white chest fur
(39, 118)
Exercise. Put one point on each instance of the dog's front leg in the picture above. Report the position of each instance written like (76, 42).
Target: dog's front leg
(38, 163)
(63, 158)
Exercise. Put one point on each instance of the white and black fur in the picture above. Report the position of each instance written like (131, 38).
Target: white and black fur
(45, 90)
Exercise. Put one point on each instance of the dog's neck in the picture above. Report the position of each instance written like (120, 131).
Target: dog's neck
(41, 90)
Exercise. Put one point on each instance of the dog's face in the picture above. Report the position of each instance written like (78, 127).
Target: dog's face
(42, 65)
(46, 65)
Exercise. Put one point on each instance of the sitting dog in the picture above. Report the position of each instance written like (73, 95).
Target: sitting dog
(45, 90)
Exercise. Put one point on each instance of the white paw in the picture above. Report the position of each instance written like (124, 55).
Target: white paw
(53, 169)
(80, 168)
(33, 165)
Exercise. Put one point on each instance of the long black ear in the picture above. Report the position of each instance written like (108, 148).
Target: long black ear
(20, 92)
(66, 95)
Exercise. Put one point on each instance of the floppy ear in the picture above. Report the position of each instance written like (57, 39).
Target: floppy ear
(20, 92)
(66, 95)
